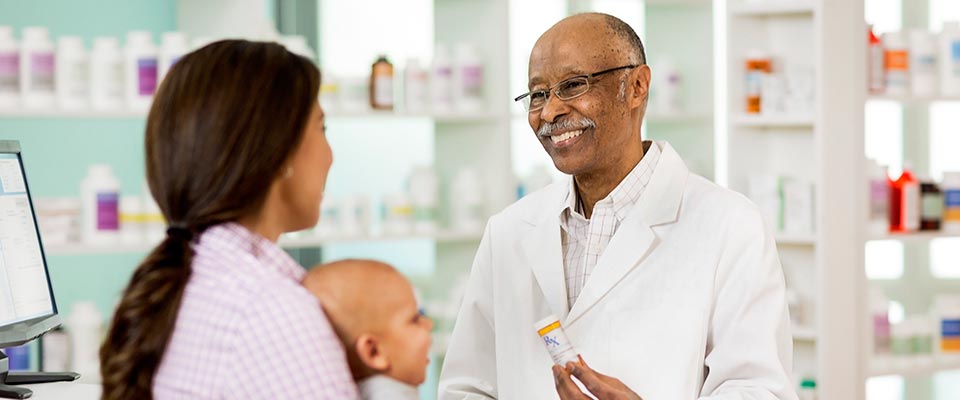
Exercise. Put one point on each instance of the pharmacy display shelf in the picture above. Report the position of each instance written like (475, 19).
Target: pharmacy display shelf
(796, 239)
(772, 8)
(677, 2)
(772, 121)
(677, 118)
(915, 236)
(444, 117)
(911, 99)
(804, 334)
(54, 112)
(97, 249)
(909, 366)
(287, 242)
(444, 236)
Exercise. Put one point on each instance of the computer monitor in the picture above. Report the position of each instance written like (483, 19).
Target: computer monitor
(27, 305)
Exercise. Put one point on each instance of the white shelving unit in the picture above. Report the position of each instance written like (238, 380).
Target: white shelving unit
(817, 148)
(772, 8)
(796, 239)
(78, 113)
(804, 334)
(915, 237)
(678, 118)
(802, 123)
(287, 242)
(445, 117)
(911, 366)
(911, 99)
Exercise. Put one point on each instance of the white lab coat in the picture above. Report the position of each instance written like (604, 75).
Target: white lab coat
(686, 302)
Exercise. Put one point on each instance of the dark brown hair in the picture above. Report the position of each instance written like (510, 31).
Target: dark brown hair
(223, 123)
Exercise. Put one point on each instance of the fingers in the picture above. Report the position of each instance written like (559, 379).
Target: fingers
(565, 386)
(599, 385)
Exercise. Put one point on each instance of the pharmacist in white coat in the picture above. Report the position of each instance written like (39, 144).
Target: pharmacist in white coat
(667, 285)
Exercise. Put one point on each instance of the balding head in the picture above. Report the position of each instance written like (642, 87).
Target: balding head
(603, 36)
(374, 311)
(356, 294)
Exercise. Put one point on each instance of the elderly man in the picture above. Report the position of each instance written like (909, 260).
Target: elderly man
(665, 282)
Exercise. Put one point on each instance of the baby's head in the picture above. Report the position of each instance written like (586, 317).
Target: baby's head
(374, 311)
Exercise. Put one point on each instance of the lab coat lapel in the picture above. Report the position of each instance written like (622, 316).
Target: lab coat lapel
(635, 239)
(544, 255)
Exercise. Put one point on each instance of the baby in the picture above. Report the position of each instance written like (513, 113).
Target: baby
(374, 312)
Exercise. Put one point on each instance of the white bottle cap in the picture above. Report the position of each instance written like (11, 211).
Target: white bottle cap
(70, 43)
(138, 38)
(105, 43)
(174, 40)
(35, 34)
(6, 32)
(466, 51)
(100, 170)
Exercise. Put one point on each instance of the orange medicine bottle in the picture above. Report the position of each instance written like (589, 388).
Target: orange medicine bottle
(381, 84)
(758, 65)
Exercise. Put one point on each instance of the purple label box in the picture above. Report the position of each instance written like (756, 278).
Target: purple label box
(147, 76)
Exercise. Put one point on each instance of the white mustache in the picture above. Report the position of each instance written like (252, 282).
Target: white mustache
(548, 128)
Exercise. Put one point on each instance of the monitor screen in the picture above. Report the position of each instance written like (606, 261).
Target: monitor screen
(24, 284)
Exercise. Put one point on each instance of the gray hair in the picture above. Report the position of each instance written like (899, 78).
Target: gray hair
(628, 36)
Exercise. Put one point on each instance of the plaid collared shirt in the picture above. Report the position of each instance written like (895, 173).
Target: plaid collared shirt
(246, 329)
(584, 240)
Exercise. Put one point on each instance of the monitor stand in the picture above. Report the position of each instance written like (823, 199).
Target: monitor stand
(25, 378)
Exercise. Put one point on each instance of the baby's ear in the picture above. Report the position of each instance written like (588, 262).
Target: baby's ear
(371, 353)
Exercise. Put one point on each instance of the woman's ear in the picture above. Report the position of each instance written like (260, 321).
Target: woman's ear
(371, 353)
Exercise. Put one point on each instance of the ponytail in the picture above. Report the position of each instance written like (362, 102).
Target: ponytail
(143, 322)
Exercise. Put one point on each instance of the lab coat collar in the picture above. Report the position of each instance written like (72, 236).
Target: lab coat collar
(659, 204)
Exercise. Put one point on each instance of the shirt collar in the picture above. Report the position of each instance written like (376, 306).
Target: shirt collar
(233, 236)
(625, 195)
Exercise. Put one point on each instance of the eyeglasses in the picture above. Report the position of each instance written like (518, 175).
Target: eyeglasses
(566, 89)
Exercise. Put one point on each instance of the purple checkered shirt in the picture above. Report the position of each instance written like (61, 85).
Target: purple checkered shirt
(246, 329)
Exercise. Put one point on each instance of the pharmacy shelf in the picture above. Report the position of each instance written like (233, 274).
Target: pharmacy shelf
(670, 3)
(451, 117)
(97, 249)
(911, 365)
(54, 112)
(804, 334)
(772, 8)
(772, 121)
(677, 118)
(796, 239)
(911, 99)
(443, 117)
(293, 242)
(915, 236)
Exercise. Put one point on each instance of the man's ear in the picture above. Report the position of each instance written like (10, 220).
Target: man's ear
(640, 83)
(371, 353)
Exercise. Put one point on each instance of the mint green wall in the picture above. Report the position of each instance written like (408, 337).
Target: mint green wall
(57, 151)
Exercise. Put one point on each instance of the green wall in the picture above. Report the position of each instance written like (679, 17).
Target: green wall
(57, 151)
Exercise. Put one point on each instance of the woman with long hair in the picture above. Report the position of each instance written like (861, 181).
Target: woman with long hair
(236, 155)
